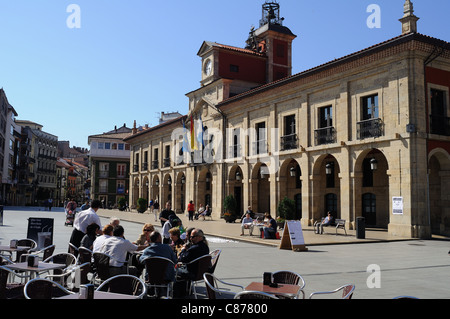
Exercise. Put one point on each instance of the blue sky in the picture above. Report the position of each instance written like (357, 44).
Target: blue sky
(132, 59)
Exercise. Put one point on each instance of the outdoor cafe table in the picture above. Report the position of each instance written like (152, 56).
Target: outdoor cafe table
(101, 295)
(42, 267)
(290, 291)
(12, 249)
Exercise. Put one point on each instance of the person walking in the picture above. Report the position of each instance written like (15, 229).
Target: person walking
(156, 209)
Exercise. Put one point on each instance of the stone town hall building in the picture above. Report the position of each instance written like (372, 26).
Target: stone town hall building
(364, 135)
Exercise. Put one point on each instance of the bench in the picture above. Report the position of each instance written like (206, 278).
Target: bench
(339, 223)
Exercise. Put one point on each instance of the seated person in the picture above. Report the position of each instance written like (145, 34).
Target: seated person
(249, 211)
(176, 242)
(206, 212)
(270, 227)
(318, 229)
(118, 248)
(90, 237)
(158, 249)
(247, 223)
(172, 222)
(200, 211)
(107, 232)
(199, 247)
(144, 237)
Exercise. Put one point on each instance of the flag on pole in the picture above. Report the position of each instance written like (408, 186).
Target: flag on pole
(185, 139)
(200, 132)
(193, 139)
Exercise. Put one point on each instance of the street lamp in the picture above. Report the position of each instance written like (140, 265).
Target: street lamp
(238, 176)
(329, 168)
(373, 164)
(292, 171)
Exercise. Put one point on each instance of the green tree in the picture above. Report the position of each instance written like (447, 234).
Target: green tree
(286, 209)
(141, 205)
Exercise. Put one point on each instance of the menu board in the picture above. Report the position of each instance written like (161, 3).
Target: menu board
(293, 236)
(41, 231)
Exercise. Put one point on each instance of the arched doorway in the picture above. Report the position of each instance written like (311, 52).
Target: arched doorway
(145, 188)
(235, 187)
(167, 189)
(155, 190)
(372, 197)
(326, 187)
(205, 188)
(290, 184)
(135, 191)
(439, 185)
(260, 188)
(180, 193)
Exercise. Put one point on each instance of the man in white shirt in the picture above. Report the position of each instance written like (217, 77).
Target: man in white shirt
(118, 248)
(107, 233)
(83, 220)
(247, 223)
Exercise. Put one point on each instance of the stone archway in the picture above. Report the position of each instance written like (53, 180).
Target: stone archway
(371, 191)
(326, 182)
(439, 185)
(290, 184)
(235, 187)
(180, 203)
(260, 188)
(155, 190)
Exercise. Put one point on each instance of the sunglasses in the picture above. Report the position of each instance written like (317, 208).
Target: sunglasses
(147, 230)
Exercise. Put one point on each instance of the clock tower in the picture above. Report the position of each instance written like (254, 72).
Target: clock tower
(273, 40)
(228, 70)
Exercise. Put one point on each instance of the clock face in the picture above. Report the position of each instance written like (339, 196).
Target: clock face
(208, 67)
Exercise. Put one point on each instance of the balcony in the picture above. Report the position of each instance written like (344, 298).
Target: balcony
(440, 125)
(135, 168)
(259, 147)
(289, 142)
(155, 164)
(166, 162)
(369, 128)
(144, 166)
(326, 135)
(234, 151)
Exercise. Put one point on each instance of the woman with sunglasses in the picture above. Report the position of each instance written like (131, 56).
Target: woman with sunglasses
(144, 238)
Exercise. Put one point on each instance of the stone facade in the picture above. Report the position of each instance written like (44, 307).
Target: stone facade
(352, 136)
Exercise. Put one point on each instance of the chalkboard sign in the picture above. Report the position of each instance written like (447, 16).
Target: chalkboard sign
(41, 231)
(293, 236)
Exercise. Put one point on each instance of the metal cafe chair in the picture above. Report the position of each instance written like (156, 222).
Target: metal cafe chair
(156, 268)
(10, 288)
(213, 288)
(124, 284)
(347, 292)
(289, 277)
(40, 288)
(248, 294)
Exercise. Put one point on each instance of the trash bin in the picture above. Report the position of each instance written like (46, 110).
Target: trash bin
(360, 227)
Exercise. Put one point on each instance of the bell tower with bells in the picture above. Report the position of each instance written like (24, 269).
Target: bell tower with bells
(274, 40)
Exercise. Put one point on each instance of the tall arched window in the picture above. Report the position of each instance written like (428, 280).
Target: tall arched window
(331, 204)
